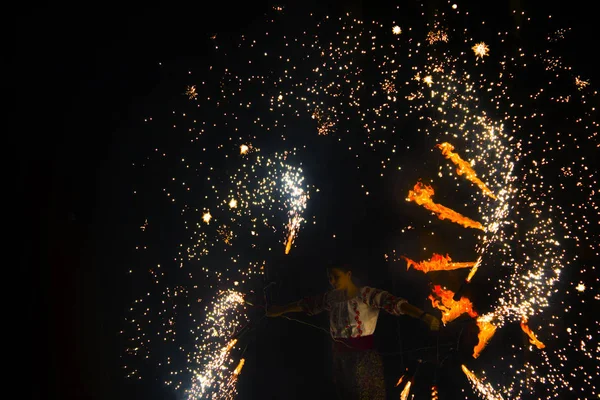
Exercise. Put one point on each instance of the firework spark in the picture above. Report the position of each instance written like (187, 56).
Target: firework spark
(481, 50)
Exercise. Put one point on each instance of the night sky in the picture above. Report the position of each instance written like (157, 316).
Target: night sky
(85, 78)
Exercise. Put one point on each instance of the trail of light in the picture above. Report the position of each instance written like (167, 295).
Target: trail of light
(421, 194)
(485, 389)
(486, 331)
(464, 168)
(295, 203)
(406, 391)
(437, 262)
(532, 338)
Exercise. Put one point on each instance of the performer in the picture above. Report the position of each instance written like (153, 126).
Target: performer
(353, 312)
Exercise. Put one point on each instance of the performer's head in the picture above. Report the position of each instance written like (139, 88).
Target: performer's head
(340, 276)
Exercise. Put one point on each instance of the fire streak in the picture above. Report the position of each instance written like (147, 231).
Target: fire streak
(405, 391)
(486, 331)
(239, 367)
(482, 387)
(437, 262)
(473, 270)
(532, 338)
(464, 167)
(421, 194)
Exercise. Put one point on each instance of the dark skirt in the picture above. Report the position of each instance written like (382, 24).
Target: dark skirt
(358, 374)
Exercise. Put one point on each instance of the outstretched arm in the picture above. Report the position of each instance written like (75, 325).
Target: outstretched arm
(310, 305)
(432, 322)
(397, 306)
(277, 310)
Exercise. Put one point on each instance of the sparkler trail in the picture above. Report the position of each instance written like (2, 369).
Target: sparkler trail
(485, 389)
(232, 176)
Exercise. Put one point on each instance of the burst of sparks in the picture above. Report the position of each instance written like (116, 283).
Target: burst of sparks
(580, 83)
(259, 200)
(481, 50)
(191, 92)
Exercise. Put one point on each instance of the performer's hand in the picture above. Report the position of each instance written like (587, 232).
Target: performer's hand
(432, 322)
(275, 311)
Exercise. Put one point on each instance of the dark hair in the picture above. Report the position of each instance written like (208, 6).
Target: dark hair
(345, 266)
(341, 265)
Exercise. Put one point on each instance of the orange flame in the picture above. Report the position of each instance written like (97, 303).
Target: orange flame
(451, 309)
(468, 373)
(292, 227)
(405, 391)
(400, 381)
(464, 167)
(437, 262)
(532, 339)
(421, 194)
(239, 367)
(473, 270)
(486, 331)
(288, 245)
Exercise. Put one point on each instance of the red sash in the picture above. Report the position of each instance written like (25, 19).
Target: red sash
(360, 343)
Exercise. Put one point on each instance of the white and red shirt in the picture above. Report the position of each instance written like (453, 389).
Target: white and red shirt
(355, 317)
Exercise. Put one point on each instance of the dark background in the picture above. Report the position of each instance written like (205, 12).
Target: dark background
(84, 75)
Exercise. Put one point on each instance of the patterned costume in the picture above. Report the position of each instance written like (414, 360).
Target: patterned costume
(357, 367)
